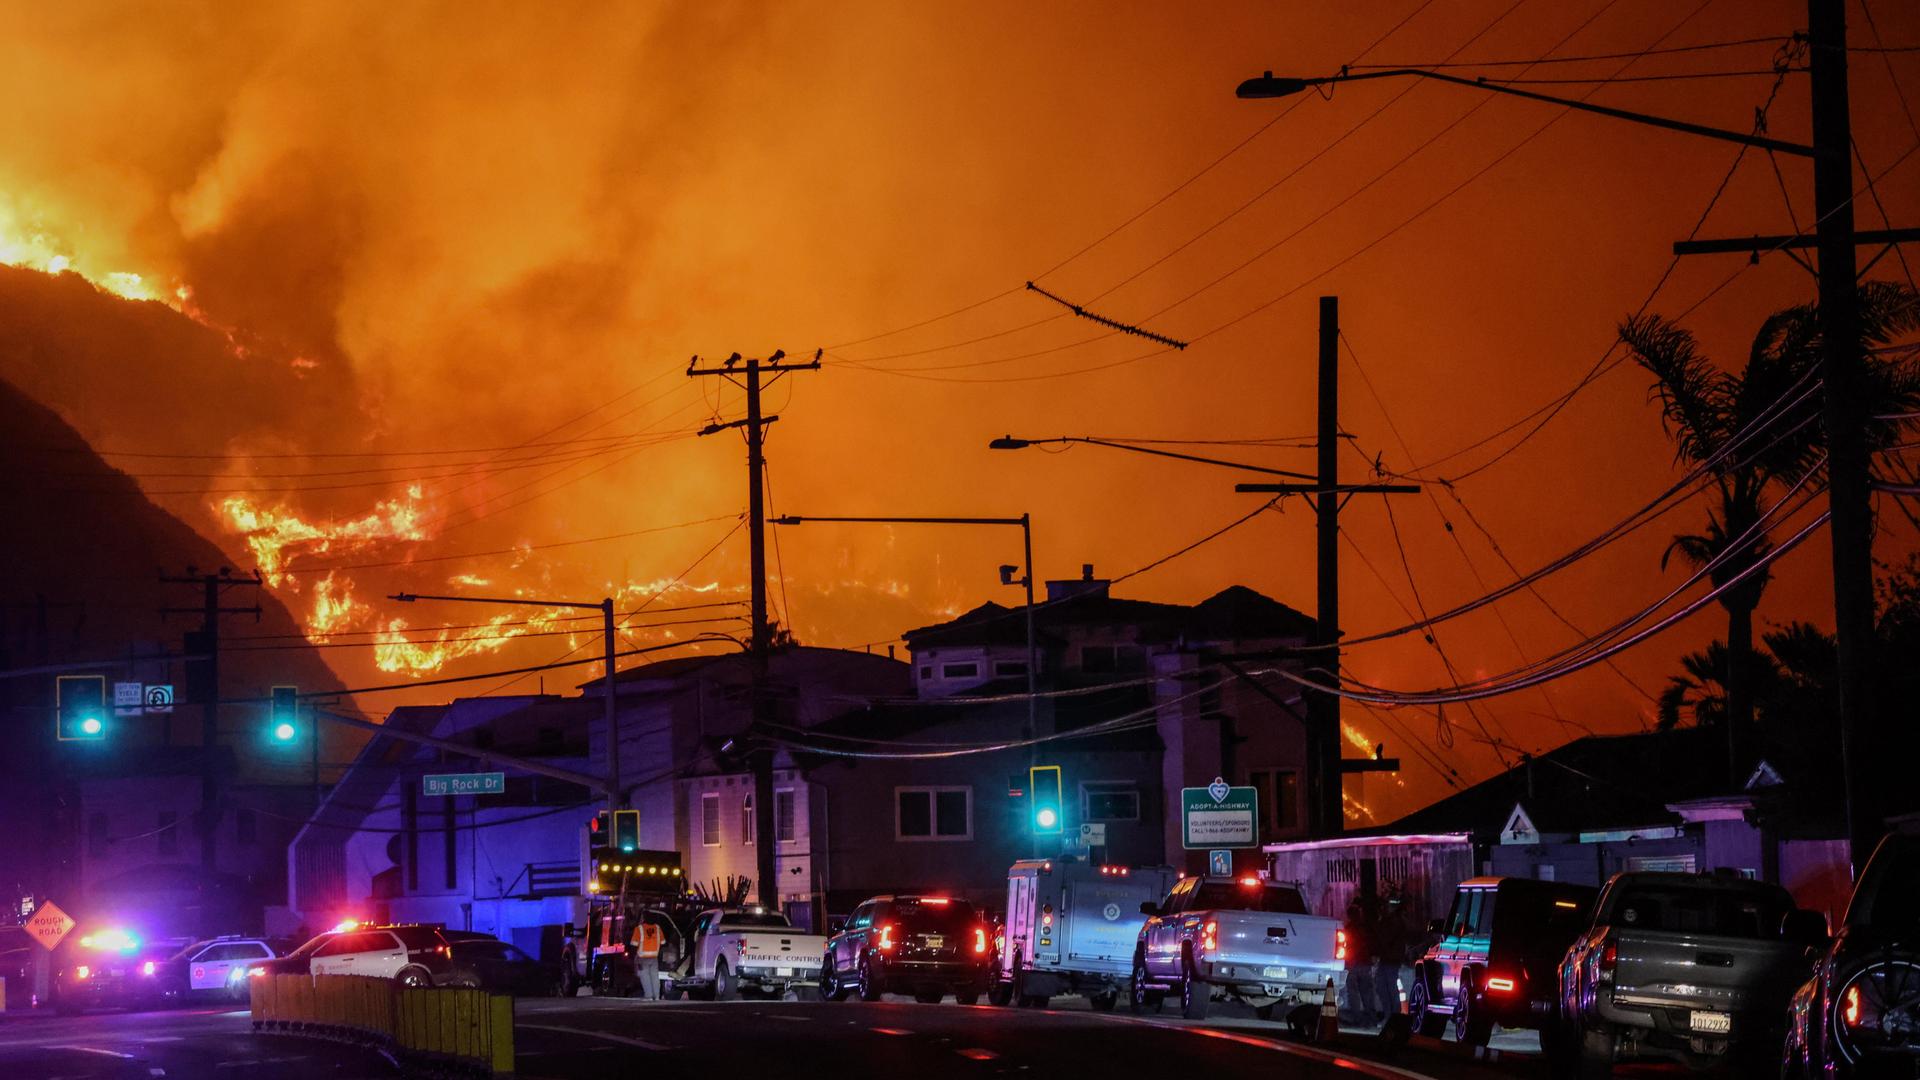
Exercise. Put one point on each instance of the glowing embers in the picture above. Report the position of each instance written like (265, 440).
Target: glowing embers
(277, 535)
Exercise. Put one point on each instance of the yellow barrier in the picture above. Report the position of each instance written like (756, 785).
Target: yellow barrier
(469, 1029)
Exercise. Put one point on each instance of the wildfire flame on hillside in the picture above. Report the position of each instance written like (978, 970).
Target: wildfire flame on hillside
(277, 535)
(25, 244)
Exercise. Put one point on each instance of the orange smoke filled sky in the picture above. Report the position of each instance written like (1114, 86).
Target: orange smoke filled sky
(466, 227)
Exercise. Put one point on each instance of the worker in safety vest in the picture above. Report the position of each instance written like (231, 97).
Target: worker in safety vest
(646, 957)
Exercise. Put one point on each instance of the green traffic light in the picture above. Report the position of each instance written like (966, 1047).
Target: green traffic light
(283, 732)
(90, 726)
(1046, 818)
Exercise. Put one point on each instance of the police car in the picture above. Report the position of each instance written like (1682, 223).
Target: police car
(213, 968)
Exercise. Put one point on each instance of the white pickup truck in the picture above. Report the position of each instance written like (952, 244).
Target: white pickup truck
(1245, 938)
(756, 950)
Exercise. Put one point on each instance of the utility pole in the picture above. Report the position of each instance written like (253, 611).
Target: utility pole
(759, 749)
(1326, 809)
(206, 642)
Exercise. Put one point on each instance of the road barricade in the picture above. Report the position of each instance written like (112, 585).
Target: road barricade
(444, 1030)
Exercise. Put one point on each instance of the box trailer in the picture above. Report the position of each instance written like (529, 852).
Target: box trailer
(1071, 928)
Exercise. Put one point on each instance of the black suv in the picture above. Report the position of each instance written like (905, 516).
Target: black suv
(1497, 959)
(1860, 1013)
(927, 946)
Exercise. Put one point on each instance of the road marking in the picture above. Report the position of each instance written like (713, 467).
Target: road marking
(591, 1034)
(156, 1072)
(977, 1053)
(161, 1038)
(892, 1031)
(1341, 1061)
(94, 1050)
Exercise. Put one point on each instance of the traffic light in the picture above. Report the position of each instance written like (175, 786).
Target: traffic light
(626, 830)
(282, 717)
(1049, 813)
(80, 711)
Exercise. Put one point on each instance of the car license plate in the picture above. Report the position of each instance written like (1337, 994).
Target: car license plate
(1274, 972)
(1713, 1023)
(935, 941)
(787, 972)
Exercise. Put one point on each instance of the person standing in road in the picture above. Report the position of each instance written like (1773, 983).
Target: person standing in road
(1391, 942)
(1360, 953)
(646, 957)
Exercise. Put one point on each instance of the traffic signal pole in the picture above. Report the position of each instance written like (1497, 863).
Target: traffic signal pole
(208, 689)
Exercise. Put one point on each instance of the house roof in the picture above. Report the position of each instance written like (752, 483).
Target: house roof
(1596, 782)
(1234, 613)
(786, 660)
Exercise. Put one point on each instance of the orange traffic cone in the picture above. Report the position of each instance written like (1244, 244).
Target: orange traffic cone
(1329, 1025)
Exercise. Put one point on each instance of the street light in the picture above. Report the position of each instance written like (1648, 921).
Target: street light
(1009, 442)
(1850, 522)
(615, 796)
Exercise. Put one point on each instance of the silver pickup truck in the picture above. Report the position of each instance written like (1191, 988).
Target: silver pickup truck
(1245, 938)
(1685, 967)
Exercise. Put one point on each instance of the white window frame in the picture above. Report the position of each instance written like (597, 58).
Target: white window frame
(710, 799)
(1089, 788)
(748, 823)
(932, 792)
(793, 804)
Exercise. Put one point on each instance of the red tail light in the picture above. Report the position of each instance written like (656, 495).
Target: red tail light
(1210, 938)
(886, 937)
(1609, 956)
(1850, 1007)
(979, 939)
(1339, 944)
(1500, 986)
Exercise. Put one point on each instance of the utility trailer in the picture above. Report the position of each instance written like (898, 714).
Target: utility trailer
(1071, 928)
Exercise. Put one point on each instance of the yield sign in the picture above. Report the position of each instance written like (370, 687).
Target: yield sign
(49, 924)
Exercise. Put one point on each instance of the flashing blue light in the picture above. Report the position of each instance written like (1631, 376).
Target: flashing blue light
(90, 726)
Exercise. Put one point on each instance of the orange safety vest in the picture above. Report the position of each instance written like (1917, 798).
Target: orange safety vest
(646, 941)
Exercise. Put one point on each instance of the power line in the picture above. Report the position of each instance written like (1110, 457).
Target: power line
(1670, 50)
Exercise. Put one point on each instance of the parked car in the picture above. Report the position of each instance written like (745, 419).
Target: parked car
(215, 967)
(1244, 937)
(412, 954)
(757, 951)
(927, 946)
(1497, 957)
(109, 968)
(1859, 1015)
(1692, 968)
(487, 963)
(1071, 929)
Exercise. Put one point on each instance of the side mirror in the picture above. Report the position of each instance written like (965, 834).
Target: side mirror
(1808, 928)
(836, 923)
(1149, 909)
(1437, 927)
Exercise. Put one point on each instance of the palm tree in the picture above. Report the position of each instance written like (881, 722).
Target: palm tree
(1756, 430)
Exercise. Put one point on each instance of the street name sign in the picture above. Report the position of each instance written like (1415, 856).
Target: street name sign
(1093, 834)
(470, 783)
(49, 925)
(1220, 815)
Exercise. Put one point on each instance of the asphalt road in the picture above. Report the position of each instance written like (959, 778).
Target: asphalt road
(896, 1039)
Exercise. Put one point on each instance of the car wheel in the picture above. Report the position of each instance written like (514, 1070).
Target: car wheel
(1469, 1027)
(928, 997)
(725, 988)
(830, 989)
(1196, 997)
(1597, 1046)
(869, 985)
(1103, 1002)
(1000, 993)
(1140, 999)
(414, 978)
(1420, 1014)
(569, 979)
(971, 997)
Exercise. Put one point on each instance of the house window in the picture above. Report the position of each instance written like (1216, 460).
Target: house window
(1010, 667)
(959, 671)
(244, 826)
(933, 813)
(1110, 802)
(97, 835)
(746, 821)
(783, 816)
(169, 833)
(1279, 791)
(710, 819)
